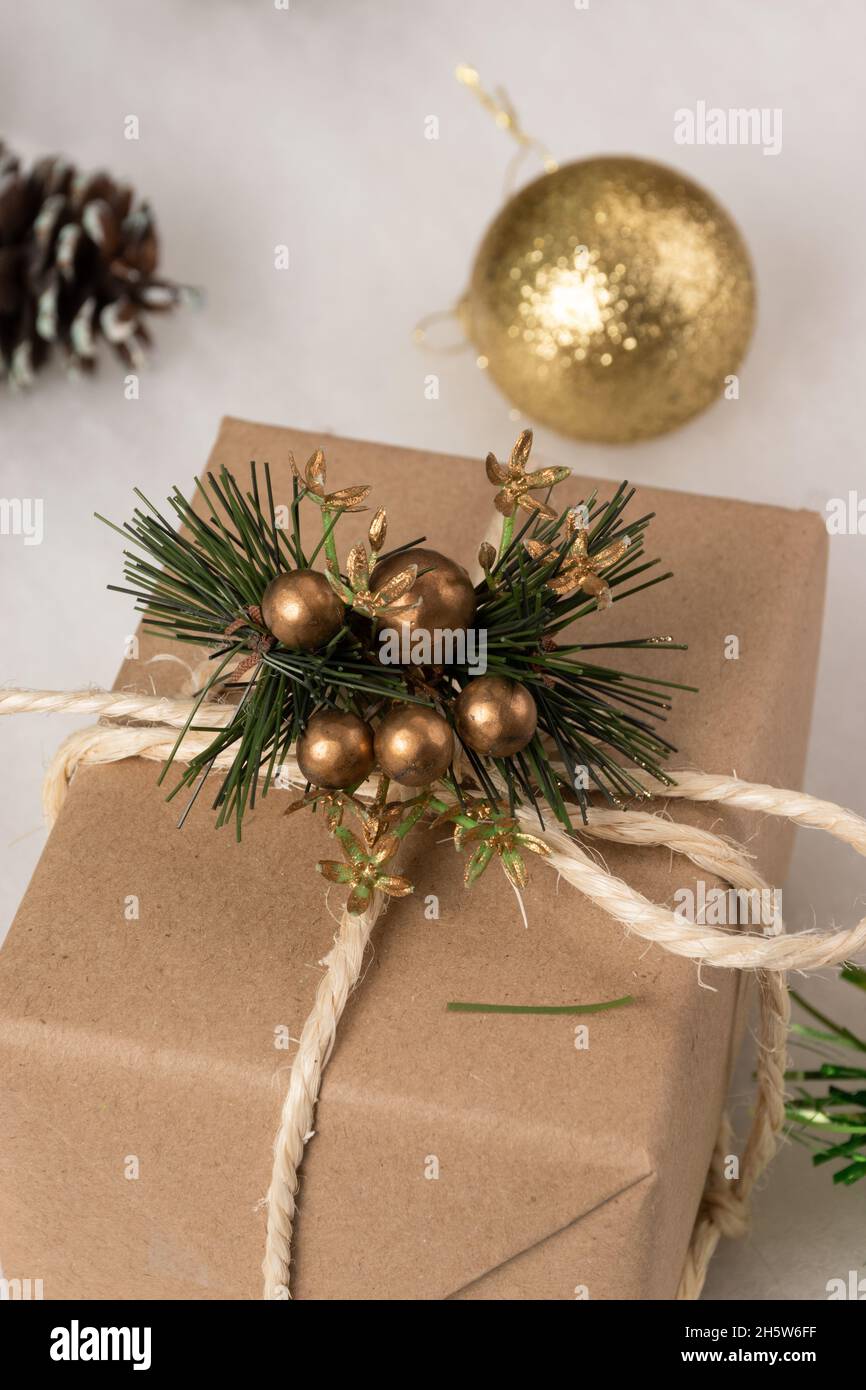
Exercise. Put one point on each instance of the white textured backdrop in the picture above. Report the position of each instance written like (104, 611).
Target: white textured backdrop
(305, 126)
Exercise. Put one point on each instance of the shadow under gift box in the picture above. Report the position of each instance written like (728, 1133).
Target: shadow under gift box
(461, 1156)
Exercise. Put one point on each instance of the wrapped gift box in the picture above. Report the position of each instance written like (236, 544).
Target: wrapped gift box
(455, 1156)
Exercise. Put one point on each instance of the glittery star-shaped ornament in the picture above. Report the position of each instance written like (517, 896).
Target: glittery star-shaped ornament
(381, 815)
(346, 499)
(333, 803)
(471, 809)
(364, 871)
(516, 484)
(580, 570)
(504, 838)
(357, 593)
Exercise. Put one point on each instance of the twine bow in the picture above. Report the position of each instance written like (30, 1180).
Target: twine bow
(725, 1204)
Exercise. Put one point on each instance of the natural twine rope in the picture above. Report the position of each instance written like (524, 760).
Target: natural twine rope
(724, 1206)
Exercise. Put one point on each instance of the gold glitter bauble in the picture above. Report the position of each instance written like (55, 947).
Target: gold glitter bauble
(301, 610)
(495, 716)
(443, 597)
(414, 745)
(335, 749)
(611, 299)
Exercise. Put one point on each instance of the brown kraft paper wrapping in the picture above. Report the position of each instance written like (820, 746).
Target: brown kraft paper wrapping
(455, 1156)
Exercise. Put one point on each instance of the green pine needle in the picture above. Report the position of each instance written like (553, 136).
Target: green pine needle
(460, 1007)
(817, 1114)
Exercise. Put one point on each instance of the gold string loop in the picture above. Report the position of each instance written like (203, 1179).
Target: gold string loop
(500, 106)
(421, 332)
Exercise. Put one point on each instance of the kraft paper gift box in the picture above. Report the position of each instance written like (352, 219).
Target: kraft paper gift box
(455, 1156)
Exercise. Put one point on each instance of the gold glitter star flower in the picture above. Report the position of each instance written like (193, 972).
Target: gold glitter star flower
(357, 593)
(504, 838)
(471, 809)
(516, 484)
(346, 499)
(333, 804)
(363, 870)
(382, 815)
(580, 570)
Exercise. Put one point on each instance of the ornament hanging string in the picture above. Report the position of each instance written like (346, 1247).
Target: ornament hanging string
(724, 1206)
(500, 107)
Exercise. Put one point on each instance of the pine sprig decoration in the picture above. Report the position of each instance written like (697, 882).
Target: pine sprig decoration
(590, 712)
(207, 576)
(828, 1112)
(203, 585)
(78, 264)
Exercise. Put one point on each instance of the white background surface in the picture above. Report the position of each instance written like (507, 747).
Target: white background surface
(261, 127)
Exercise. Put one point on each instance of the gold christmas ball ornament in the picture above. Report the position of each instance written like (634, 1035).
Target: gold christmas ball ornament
(442, 597)
(336, 749)
(495, 716)
(611, 299)
(301, 610)
(414, 745)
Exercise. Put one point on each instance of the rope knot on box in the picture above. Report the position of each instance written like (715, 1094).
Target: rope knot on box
(149, 731)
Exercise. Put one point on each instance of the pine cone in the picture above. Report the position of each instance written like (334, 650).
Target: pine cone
(77, 262)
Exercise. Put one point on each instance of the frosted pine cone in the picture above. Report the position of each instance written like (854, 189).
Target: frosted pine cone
(77, 264)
